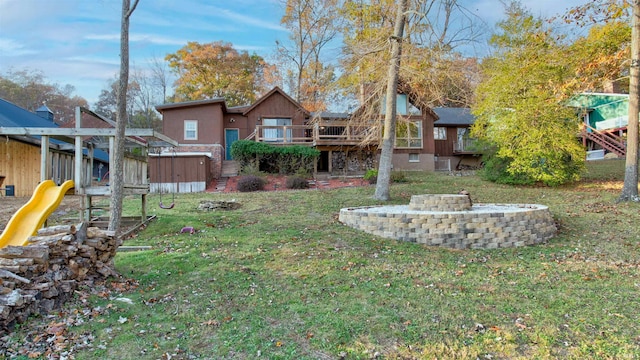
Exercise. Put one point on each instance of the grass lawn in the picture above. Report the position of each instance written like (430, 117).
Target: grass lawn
(281, 278)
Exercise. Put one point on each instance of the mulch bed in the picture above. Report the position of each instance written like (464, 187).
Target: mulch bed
(278, 183)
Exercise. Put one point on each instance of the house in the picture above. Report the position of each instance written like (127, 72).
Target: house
(206, 129)
(454, 148)
(605, 119)
(20, 155)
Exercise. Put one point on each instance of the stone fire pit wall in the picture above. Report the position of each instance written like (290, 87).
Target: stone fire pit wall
(451, 221)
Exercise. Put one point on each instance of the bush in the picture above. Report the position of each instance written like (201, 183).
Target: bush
(250, 183)
(398, 177)
(274, 159)
(371, 176)
(296, 182)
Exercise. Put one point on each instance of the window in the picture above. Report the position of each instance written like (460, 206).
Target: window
(440, 133)
(409, 134)
(403, 106)
(191, 129)
(414, 157)
(276, 133)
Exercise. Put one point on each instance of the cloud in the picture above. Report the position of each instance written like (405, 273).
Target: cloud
(14, 48)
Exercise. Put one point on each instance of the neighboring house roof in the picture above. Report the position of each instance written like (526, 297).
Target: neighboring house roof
(267, 95)
(184, 104)
(12, 115)
(454, 116)
(606, 110)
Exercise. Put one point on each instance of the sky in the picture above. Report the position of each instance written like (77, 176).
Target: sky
(77, 42)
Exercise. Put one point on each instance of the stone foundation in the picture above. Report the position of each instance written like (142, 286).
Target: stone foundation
(455, 223)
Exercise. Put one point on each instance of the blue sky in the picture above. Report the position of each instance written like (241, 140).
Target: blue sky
(76, 42)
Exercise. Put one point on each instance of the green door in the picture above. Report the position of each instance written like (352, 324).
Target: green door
(230, 136)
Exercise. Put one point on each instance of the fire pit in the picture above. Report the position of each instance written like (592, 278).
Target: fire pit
(452, 221)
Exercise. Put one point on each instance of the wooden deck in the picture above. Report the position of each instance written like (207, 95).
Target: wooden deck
(319, 134)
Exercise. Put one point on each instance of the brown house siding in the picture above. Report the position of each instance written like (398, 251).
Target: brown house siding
(209, 123)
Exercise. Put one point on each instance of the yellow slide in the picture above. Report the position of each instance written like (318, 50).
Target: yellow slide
(32, 215)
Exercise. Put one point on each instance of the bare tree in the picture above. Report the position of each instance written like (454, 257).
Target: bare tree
(384, 167)
(630, 186)
(160, 75)
(313, 24)
(117, 167)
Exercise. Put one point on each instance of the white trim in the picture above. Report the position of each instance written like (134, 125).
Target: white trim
(178, 154)
(184, 134)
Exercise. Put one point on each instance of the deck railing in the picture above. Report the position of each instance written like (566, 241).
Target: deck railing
(316, 134)
(465, 146)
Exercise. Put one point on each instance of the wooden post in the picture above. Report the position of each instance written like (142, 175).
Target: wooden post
(44, 158)
(144, 208)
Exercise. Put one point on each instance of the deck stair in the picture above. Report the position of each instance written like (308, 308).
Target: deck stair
(607, 139)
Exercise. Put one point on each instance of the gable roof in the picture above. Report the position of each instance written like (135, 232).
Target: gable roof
(269, 94)
(12, 115)
(192, 103)
(454, 116)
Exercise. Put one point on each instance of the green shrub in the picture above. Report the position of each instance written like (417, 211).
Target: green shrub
(251, 183)
(398, 177)
(371, 176)
(296, 182)
(274, 159)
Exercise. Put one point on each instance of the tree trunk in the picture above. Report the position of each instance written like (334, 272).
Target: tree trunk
(630, 186)
(388, 139)
(116, 166)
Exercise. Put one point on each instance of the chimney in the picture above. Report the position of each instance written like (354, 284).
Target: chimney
(45, 113)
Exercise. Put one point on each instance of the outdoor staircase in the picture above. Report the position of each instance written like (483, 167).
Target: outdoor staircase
(607, 139)
(230, 168)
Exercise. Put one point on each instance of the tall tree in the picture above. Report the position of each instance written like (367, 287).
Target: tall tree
(389, 135)
(612, 50)
(30, 90)
(519, 109)
(630, 186)
(116, 182)
(313, 24)
(217, 70)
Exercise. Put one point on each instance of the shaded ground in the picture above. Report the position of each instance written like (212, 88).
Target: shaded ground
(9, 205)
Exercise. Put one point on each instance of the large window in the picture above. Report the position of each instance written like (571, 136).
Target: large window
(403, 106)
(440, 133)
(191, 129)
(409, 134)
(276, 133)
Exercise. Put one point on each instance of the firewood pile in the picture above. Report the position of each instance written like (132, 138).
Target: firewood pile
(41, 276)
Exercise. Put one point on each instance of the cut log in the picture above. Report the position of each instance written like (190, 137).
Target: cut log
(9, 274)
(96, 232)
(51, 238)
(39, 254)
(58, 229)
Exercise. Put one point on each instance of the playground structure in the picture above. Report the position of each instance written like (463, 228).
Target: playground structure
(138, 142)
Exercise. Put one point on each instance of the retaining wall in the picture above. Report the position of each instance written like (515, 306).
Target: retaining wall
(485, 226)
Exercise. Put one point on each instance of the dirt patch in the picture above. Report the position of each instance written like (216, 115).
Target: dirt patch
(9, 205)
